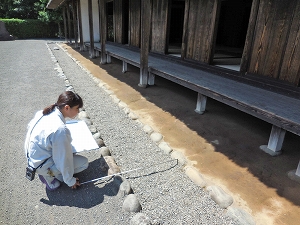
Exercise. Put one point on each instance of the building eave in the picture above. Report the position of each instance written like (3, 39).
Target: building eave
(53, 4)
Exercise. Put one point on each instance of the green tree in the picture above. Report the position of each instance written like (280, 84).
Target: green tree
(5, 6)
(21, 9)
(48, 15)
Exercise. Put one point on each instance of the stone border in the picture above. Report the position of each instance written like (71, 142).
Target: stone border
(217, 194)
(131, 203)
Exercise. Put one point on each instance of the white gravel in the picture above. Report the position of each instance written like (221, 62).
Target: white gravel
(28, 82)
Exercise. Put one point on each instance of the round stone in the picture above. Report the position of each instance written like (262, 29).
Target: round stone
(147, 129)
(220, 196)
(131, 204)
(104, 151)
(140, 218)
(165, 147)
(156, 137)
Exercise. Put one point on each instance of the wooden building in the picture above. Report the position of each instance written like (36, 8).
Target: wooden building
(252, 42)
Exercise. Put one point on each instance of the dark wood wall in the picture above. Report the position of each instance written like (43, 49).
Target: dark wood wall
(199, 29)
(134, 22)
(160, 14)
(275, 45)
(290, 69)
(118, 21)
(272, 46)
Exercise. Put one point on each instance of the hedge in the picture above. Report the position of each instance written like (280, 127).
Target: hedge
(30, 28)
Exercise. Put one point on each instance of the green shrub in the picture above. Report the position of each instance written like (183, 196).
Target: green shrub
(30, 28)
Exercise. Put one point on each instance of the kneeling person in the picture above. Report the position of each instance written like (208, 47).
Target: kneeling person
(48, 143)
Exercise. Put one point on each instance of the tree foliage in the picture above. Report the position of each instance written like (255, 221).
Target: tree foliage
(29, 9)
(48, 15)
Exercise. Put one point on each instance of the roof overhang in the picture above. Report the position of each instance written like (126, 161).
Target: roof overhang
(53, 4)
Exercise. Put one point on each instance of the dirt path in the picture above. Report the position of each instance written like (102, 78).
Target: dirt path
(223, 144)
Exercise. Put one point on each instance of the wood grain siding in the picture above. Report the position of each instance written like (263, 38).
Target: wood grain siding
(118, 21)
(272, 31)
(200, 29)
(160, 15)
(134, 22)
(290, 70)
(249, 37)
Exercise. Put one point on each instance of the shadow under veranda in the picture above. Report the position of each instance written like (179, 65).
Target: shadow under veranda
(233, 133)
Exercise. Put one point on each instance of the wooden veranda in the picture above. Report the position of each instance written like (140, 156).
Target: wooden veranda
(266, 81)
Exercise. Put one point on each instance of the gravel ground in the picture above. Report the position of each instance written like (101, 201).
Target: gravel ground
(28, 82)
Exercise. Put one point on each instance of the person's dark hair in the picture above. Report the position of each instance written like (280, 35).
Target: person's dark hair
(66, 98)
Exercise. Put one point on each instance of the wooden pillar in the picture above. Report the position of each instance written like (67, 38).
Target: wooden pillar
(298, 170)
(145, 34)
(151, 78)
(275, 141)
(65, 24)
(90, 9)
(74, 13)
(201, 104)
(69, 23)
(81, 45)
(124, 69)
(102, 24)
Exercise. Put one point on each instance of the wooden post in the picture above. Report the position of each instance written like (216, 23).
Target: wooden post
(90, 9)
(69, 24)
(80, 25)
(65, 24)
(201, 104)
(75, 23)
(151, 78)
(298, 170)
(275, 141)
(102, 24)
(145, 34)
(124, 69)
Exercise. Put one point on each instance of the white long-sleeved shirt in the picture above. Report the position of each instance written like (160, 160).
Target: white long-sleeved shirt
(50, 138)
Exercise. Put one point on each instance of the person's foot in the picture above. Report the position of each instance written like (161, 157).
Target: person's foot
(50, 185)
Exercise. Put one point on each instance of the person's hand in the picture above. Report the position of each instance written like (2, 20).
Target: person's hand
(77, 184)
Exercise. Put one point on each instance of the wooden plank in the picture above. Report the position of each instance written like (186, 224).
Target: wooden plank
(290, 70)
(278, 37)
(80, 25)
(185, 29)
(274, 18)
(118, 21)
(103, 28)
(134, 22)
(191, 27)
(216, 8)
(201, 29)
(160, 14)
(249, 37)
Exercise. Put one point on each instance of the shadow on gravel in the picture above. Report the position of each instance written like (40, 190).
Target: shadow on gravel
(86, 196)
